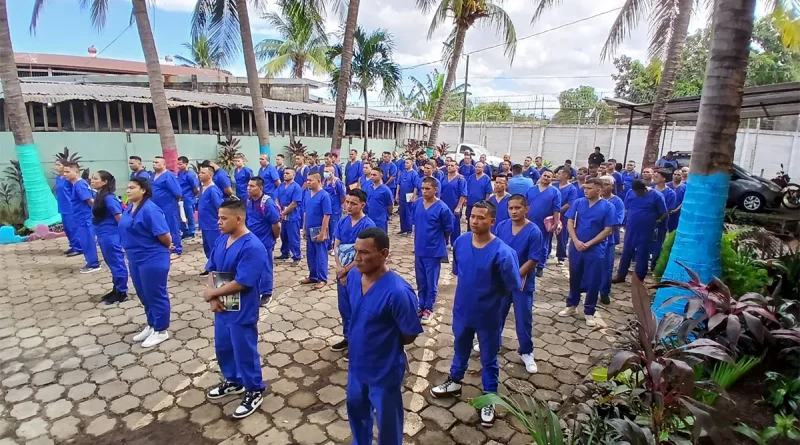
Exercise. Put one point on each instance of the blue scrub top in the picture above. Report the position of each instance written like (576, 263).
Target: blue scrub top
(670, 199)
(466, 170)
(418, 187)
(316, 206)
(430, 227)
(261, 215)
(568, 193)
(300, 175)
(211, 198)
(141, 174)
(337, 193)
(166, 190)
(269, 174)
(245, 258)
(590, 220)
(337, 170)
(400, 164)
(453, 190)
(188, 181)
(241, 176)
(63, 194)
(619, 215)
(478, 188)
(380, 318)
(108, 225)
(81, 210)
(379, 199)
(579, 192)
(542, 170)
(487, 169)
(407, 181)
(486, 277)
(139, 231)
(347, 232)
(502, 209)
(670, 163)
(628, 178)
(289, 194)
(280, 171)
(353, 172)
(527, 244)
(542, 204)
(365, 183)
(519, 185)
(221, 179)
(619, 183)
(389, 169)
(644, 211)
(532, 173)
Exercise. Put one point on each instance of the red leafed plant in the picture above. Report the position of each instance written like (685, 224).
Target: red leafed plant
(443, 147)
(412, 148)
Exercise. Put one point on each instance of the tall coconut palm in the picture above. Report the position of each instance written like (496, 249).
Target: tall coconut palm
(372, 66)
(343, 85)
(464, 14)
(203, 54)
(98, 10)
(42, 207)
(427, 94)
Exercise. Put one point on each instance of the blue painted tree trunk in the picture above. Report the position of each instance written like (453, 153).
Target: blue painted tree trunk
(265, 150)
(42, 206)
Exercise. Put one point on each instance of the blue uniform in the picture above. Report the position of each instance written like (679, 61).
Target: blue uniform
(141, 174)
(82, 221)
(222, 179)
(611, 244)
(432, 226)
(466, 170)
(382, 317)
(280, 171)
(502, 209)
(407, 181)
(569, 194)
(301, 174)
(63, 198)
(670, 199)
(619, 183)
(579, 192)
(680, 192)
(241, 177)
(627, 180)
(353, 172)
(236, 332)
(452, 192)
(586, 268)
(477, 190)
(519, 185)
(270, 175)
(642, 213)
(543, 204)
(487, 169)
(347, 232)
(671, 164)
(438, 185)
(389, 170)
(337, 171)
(207, 216)
(166, 192)
(262, 214)
(532, 173)
(379, 200)
(110, 245)
(148, 259)
(527, 244)
(337, 193)
(542, 170)
(316, 206)
(290, 228)
(188, 181)
(486, 278)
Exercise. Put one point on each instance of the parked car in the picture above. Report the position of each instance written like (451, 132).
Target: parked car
(477, 151)
(748, 192)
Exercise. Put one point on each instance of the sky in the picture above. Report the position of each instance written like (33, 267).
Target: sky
(543, 66)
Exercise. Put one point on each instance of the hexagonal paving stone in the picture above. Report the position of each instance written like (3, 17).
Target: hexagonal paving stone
(101, 425)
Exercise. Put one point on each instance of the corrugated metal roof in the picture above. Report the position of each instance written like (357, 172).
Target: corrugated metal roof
(41, 92)
(70, 62)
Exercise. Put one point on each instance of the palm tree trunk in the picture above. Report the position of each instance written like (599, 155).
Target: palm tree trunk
(299, 66)
(262, 128)
(665, 87)
(42, 207)
(366, 116)
(169, 148)
(344, 76)
(697, 243)
(458, 47)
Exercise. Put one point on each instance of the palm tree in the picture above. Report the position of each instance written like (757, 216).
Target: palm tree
(464, 14)
(203, 54)
(428, 94)
(372, 66)
(98, 9)
(42, 207)
(304, 45)
(343, 85)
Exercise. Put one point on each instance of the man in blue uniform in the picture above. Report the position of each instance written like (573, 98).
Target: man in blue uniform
(137, 169)
(628, 176)
(500, 200)
(290, 199)
(167, 194)
(207, 210)
(591, 220)
(270, 176)
(331, 160)
(280, 165)
(380, 200)
(335, 189)
(264, 221)
(429, 171)
(540, 167)
(544, 201)
(518, 183)
(190, 187)
(479, 188)
(384, 319)
(240, 255)
(317, 208)
(488, 272)
(486, 167)
(301, 171)
(407, 184)
(668, 162)
(572, 172)
(529, 171)
(679, 186)
(389, 170)
(569, 193)
(454, 194)
(433, 223)
(241, 176)
(81, 202)
(353, 170)
(660, 178)
(608, 258)
(466, 166)
(63, 196)
(221, 178)
(644, 207)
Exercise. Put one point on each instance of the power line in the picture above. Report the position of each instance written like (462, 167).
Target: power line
(113, 41)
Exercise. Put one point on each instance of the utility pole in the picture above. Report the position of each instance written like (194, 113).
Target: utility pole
(464, 109)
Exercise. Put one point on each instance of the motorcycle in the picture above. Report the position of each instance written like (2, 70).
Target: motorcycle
(791, 191)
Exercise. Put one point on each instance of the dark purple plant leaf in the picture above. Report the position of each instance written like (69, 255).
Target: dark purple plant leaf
(753, 296)
(733, 330)
(721, 288)
(631, 432)
(641, 307)
(704, 342)
(764, 313)
(703, 422)
(692, 275)
(671, 300)
(715, 320)
(656, 371)
(693, 306)
(621, 361)
(754, 325)
(689, 326)
(669, 322)
(717, 353)
(683, 373)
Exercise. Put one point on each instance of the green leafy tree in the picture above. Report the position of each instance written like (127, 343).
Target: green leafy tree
(491, 111)
(203, 54)
(426, 96)
(581, 106)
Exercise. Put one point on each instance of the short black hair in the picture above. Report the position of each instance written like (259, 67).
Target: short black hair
(597, 148)
(519, 197)
(135, 158)
(432, 181)
(280, 155)
(258, 180)
(664, 173)
(353, 150)
(638, 184)
(234, 204)
(379, 170)
(314, 173)
(387, 153)
(378, 236)
(328, 154)
(70, 164)
(183, 159)
(618, 167)
(484, 204)
(568, 161)
(358, 193)
(596, 181)
(516, 169)
(210, 168)
(159, 157)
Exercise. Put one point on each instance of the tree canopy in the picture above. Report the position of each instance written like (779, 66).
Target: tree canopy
(582, 106)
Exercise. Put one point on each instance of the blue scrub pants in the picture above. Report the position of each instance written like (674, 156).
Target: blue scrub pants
(655, 246)
(344, 308)
(266, 284)
(467, 214)
(547, 239)
(562, 242)
(405, 214)
(174, 222)
(383, 225)
(489, 341)
(290, 239)
(69, 231)
(585, 272)
(523, 317)
(209, 239)
(387, 402)
(608, 269)
(85, 233)
(111, 248)
(236, 346)
(317, 257)
(149, 274)
(188, 227)
(332, 222)
(638, 245)
(673, 221)
(427, 274)
(456, 228)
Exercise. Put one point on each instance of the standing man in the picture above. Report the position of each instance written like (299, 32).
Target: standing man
(529, 171)
(437, 158)
(389, 170)
(137, 169)
(569, 193)
(488, 272)
(279, 164)
(644, 208)
(300, 171)
(628, 176)
(660, 178)
(544, 201)
(591, 221)
(241, 176)
(479, 188)
(365, 182)
(596, 158)
(384, 321)
(81, 202)
(647, 177)
(500, 200)
(63, 198)
(540, 167)
(679, 186)
(519, 184)
(264, 221)
(572, 172)
(317, 207)
(433, 223)
(613, 240)
(335, 189)
(379, 200)
(237, 252)
(429, 171)
(668, 162)
(454, 194)
(290, 199)
(221, 178)
(407, 185)
(333, 161)
(506, 170)
(353, 171)
(466, 168)
(616, 172)
(190, 187)
(486, 167)
(167, 195)
(207, 210)
(270, 176)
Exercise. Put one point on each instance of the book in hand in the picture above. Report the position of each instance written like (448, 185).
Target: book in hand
(314, 232)
(229, 302)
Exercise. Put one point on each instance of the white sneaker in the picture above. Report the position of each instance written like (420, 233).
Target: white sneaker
(568, 311)
(155, 338)
(448, 388)
(529, 362)
(477, 347)
(142, 336)
(487, 416)
(590, 321)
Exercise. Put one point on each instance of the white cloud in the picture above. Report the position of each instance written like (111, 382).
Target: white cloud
(176, 5)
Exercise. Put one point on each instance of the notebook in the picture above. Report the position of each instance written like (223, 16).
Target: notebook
(230, 302)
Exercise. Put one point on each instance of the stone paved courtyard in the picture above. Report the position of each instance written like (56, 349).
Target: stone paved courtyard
(70, 371)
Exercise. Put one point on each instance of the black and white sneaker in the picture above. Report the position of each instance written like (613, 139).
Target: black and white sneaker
(265, 299)
(487, 416)
(250, 403)
(341, 346)
(90, 269)
(449, 388)
(224, 389)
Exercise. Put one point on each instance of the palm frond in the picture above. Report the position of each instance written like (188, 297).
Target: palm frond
(183, 61)
(663, 18)
(426, 5)
(439, 16)
(541, 7)
(98, 12)
(500, 21)
(267, 49)
(276, 65)
(787, 21)
(627, 20)
(219, 19)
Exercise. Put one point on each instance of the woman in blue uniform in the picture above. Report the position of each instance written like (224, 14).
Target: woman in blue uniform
(106, 212)
(63, 193)
(568, 194)
(146, 238)
(241, 176)
(407, 184)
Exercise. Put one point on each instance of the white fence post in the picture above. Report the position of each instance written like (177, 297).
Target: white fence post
(540, 146)
(743, 154)
(613, 141)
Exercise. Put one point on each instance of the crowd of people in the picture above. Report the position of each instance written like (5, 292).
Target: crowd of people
(342, 211)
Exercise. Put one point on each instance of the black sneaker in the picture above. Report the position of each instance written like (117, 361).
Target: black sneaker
(108, 296)
(282, 257)
(72, 254)
(605, 299)
(224, 389)
(118, 297)
(204, 273)
(539, 273)
(90, 269)
(449, 388)
(487, 416)
(296, 262)
(341, 346)
(265, 299)
(250, 403)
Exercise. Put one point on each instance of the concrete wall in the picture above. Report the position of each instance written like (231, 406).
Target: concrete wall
(756, 150)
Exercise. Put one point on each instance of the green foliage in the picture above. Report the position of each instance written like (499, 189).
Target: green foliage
(724, 375)
(788, 270)
(227, 150)
(541, 424)
(582, 106)
(786, 426)
(203, 54)
(421, 101)
(783, 392)
(663, 258)
(372, 65)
